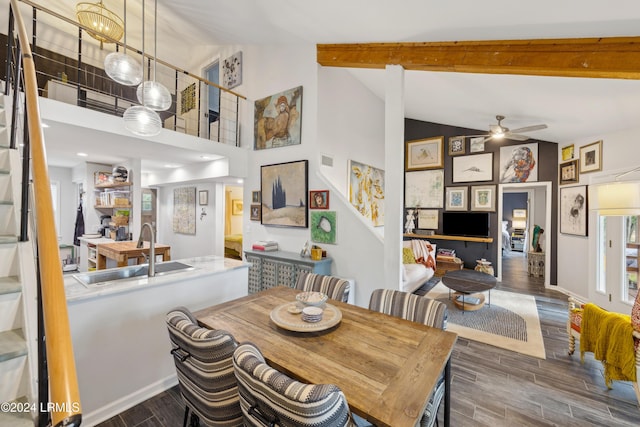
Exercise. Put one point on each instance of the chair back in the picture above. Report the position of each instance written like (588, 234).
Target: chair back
(334, 287)
(271, 398)
(203, 359)
(409, 306)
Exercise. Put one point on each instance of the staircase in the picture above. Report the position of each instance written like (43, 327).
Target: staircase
(16, 384)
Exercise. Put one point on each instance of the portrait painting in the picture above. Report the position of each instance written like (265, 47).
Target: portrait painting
(519, 163)
(278, 120)
(323, 227)
(366, 191)
(573, 210)
(319, 199)
(284, 190)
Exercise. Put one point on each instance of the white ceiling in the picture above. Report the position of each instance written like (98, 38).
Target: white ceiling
(573, 109)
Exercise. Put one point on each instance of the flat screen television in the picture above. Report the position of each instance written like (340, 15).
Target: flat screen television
(470, 224)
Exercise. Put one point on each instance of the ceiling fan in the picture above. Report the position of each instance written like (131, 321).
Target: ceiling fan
(500, 132)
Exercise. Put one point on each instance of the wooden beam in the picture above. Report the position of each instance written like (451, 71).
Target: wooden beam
(612, 57)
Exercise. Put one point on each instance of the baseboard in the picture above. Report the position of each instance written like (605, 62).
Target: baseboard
(118, 406)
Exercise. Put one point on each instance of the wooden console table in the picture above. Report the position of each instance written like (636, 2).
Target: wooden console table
(122, 251)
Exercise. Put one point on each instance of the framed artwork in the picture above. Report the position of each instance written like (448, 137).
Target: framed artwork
(483, 198)
(477, 167)
(456, 199)
(255, 197)
(255, 212)
(424, 189)
(519, 213)
(278, 120)
(366, 191)
(188, 98)
(519, 163)
(184, 210)
(456, 145)
(232, 71)
(101, 178)
(319, 199)
(428, 219)
(323, 227)
(424, 154)
(284, 190)
(591, 157)
(476, 144)
(573, 210)
(203, 197)
(567, 152)
(568, 172)
(236, 207)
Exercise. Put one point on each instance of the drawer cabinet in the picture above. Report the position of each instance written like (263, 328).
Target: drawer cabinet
(277, 268)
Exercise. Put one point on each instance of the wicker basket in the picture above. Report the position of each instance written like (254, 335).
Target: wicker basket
(120, 220)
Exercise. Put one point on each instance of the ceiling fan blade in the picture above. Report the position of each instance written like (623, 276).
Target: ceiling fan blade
(474, 136)
(516, 136)
(529, 128)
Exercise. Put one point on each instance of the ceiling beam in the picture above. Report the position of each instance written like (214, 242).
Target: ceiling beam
(611, 57)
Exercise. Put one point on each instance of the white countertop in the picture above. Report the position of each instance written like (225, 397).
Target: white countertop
(96, 240)
(204, 266)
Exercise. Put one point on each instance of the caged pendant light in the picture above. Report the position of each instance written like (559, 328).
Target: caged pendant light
(151, 93)
(121, 67)
(140, 119)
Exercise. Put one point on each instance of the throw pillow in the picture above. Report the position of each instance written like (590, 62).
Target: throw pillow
(635, 313)
(407, 256)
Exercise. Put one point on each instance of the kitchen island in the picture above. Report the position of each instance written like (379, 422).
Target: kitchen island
(120, 338)
(122, 252)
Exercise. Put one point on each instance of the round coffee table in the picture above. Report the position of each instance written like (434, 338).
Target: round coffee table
(468, 284)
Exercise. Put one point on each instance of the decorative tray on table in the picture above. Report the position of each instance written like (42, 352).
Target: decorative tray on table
(285, 316)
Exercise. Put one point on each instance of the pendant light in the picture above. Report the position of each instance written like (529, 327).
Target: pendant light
(140, 119)
(121, 67)
(151, 93)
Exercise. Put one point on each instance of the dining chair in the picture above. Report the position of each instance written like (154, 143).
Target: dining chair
(334, 287)
(418, 309)
(203, 359)
(269, 398)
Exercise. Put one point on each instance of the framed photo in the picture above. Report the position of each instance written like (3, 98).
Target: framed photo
(319, 199)
(203, 197)
(101, 178)
(284, 189)
(591, 157)
(456, 199)
(519, 163)
(567, 152)
(424, 154)
(519, 213)
(476, 144)
(236, 207)
(323, 227)
(568, 172)
(456, 145)
(428, 219)
(366, 191)
(573, 210)
(424, 189)
(477, 167)
(483, 198)
(256, 197)
(255, 212)
(278, 120)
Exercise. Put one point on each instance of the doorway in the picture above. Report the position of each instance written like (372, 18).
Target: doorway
(212, 110)
(233, 218)
(538, 212)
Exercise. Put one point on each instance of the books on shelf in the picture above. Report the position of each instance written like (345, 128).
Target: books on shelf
(265, 245)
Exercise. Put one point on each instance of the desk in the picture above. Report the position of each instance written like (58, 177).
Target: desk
(122, 251)
(386, 366)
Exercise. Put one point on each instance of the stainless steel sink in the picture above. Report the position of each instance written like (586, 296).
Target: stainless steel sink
(98, 278)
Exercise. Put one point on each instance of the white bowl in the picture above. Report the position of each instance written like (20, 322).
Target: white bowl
(312, 298)
(312, 311)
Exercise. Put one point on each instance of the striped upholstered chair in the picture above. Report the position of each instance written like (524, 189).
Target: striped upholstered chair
(271, 398)
(421, 310)
(334, 287)
(203, 359)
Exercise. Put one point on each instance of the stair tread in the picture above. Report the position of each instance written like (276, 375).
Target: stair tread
(7, 238)
(10, 285)
(12, 344)
(16, 419)
(6, 202)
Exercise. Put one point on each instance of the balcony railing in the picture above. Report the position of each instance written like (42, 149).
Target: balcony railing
(69, 68)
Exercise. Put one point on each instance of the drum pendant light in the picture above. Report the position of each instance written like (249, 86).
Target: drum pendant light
(121, 67)
(151, 93)
(140, 119)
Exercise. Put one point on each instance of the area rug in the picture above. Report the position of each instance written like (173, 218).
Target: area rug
(510, 322)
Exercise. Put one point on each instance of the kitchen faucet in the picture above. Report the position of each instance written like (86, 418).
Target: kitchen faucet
(152, 248)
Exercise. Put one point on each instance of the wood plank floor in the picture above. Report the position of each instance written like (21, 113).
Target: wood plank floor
(491, 386)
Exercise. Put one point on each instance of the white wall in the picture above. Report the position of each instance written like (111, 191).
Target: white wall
(68, 204)
(576, 255)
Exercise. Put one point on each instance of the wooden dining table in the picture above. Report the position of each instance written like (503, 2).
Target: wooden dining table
(387, 367)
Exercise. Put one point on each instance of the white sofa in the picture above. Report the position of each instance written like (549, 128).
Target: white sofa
(415, 275)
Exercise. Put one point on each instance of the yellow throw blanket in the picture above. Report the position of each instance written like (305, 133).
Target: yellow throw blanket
(609, 337)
